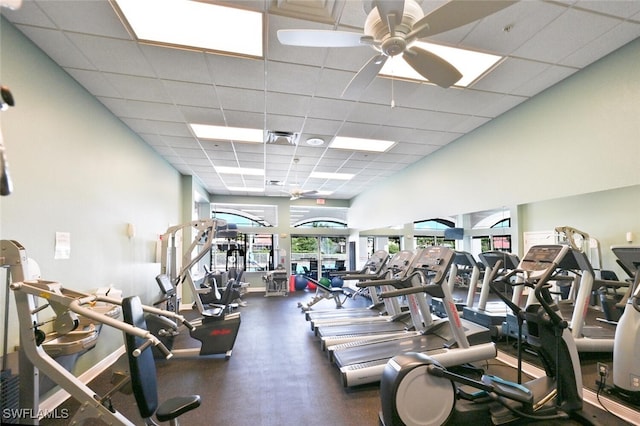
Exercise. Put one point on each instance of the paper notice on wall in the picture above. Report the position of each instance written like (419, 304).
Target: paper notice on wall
(63, 245)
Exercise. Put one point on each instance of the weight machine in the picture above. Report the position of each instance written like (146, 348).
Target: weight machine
(68, 305)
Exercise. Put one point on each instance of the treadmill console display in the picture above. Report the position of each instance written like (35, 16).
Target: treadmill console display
(490, 258)
(435, 259)
(538, 258)
(400, 260)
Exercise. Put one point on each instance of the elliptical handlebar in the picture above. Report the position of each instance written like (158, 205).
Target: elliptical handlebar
(541, 282)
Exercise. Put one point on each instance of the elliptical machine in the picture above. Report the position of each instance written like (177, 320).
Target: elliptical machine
(416, 389)
(626, 356)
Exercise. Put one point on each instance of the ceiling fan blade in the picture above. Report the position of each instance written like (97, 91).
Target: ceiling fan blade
(319, 38)
(391, 12)
(454, 14)
(310, 192)
(365, 76)
(432, 67)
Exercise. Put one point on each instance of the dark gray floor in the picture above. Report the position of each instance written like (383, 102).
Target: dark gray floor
(277, 375)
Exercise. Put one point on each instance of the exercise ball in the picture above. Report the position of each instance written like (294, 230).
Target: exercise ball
(311, 285)
(326, 282)
(336, 282)
(301, 282)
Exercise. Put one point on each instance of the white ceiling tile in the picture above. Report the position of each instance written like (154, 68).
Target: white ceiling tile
(291, 78)
(58, 47)
(180, 142)
(191, 94)
(177, 64)
(525, 19)
(280, 103)
(240, 118)
(544, 80)
(91, 17)
(621, 8)
(566, 34)
(602, 46)
(234, 71)
(231, 98)
(201, 115)
(138, 88)
(510, 74)
(112, 55)
(29, 13)
(321, 126)
(95, 82)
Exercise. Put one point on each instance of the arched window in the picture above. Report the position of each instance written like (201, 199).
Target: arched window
(321, 223)
(504, 223)
(437, 224)
(240, 218)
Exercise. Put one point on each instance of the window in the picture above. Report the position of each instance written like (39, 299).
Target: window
(437, 224)
(322, 224)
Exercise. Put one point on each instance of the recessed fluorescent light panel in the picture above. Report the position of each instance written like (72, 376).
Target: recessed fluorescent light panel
(244, 189)
(358, 144)
(240, 171)
(195, 24)
(326, 175)
(224, 133)
(470, 64)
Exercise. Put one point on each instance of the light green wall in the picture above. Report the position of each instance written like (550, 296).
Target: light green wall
(606, 216)
(78, 169)
(580, 136)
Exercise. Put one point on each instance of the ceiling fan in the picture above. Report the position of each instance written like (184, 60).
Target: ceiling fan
(390, 28)
(296, 192)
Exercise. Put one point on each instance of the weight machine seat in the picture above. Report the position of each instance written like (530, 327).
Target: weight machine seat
(143, 372)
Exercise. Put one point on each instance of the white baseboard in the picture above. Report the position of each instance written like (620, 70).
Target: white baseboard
(60, 396)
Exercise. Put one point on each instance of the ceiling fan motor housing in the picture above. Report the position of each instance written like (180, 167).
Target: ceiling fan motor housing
(378, 28)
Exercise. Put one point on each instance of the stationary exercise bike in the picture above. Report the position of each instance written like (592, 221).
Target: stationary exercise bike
(217, 327)
(416, 390)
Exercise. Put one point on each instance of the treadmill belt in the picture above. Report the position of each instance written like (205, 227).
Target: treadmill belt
(340, 330)
(389, 349)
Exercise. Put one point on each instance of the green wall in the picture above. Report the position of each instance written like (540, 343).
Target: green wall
(78, 169)
(606, 216)
(580, 136)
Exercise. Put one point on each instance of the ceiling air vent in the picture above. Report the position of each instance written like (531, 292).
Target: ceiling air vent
(282, 138)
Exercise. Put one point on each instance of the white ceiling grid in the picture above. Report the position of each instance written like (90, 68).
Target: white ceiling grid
(157, 90)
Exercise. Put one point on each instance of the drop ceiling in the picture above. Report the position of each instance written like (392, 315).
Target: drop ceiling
(157, 91)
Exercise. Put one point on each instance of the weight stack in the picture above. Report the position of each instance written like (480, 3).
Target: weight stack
(9, 397)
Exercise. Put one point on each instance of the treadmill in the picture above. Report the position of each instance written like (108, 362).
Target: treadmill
(374, 268)
(397, 268)
(493, 314)
(418, 309)
(463, 262)
(453, 340)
